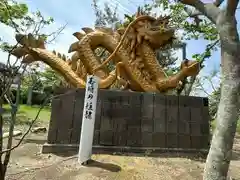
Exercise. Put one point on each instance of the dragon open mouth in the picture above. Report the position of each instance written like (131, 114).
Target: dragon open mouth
(160, 38)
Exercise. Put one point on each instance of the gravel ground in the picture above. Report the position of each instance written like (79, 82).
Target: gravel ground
(27, 163)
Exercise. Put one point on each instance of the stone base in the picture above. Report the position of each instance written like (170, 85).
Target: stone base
(150, 151)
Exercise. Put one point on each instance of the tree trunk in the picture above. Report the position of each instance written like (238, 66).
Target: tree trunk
(2, 174)
(2, 169)
(29, 95)
(220, 153)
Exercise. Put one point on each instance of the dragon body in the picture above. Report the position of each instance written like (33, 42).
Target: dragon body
(133, 54)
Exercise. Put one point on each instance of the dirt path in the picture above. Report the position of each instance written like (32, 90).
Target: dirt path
(28, 163)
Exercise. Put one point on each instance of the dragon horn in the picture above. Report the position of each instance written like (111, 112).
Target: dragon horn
(78, 35)
(73, 47)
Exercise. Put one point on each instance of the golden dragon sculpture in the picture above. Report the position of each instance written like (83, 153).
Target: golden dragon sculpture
(133, 53)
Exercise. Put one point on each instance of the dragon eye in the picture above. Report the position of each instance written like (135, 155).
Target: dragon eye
(155, 28)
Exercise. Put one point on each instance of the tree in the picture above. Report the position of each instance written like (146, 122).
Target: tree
(105, 17)
(51, 80)
(31, 81)
(219, 156)
(16, 16)
(10, 11)
(206, 83)
(18, 11)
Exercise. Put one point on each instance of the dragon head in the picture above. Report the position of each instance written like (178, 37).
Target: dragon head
(159, 33)
(26, 43)
(156, 31)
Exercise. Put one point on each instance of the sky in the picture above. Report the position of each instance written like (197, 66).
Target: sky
(79, 13)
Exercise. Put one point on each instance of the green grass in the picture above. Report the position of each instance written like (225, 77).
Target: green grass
(213, 124)
(26, 114)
